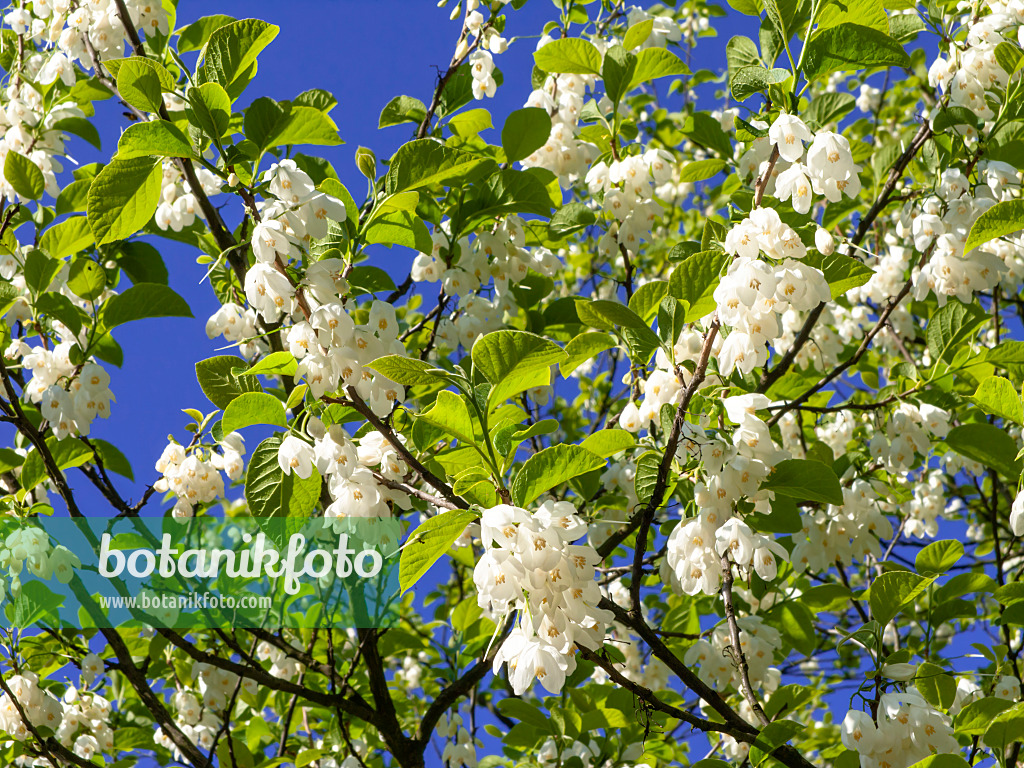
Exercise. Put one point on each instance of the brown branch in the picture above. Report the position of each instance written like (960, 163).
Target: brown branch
(739, 658)
(646, 515)
(438, 484)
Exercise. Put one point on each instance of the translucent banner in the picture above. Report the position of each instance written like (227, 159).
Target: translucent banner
(199, 573)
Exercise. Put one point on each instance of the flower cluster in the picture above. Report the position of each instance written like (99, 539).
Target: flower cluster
(530, 565)
(178, 208)
(627, 188)
(28, 550)
(70, 397)
(909, 729)
(564, 153)
(758, 642)
(733, 473)
(40, 707)
(85, 726)
(753, 294)
(460, 747)
(194, 474)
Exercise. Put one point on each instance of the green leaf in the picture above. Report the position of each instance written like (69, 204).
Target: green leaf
(219, 384)
(271, 493)
(36, 604)
(617, 72)
(451, 414)
(829, 108)
(842, 272)
(938, 557)
(470, 123)
(583, 348)
(112, 458)
(937, 687)
(699, 170)
(570, 218)
(429, 542)
(783, 518)
(80, 127)
(652, 63)
(509, 191)
(647, 298)
(194, 36)
(549, 468)
(976, 717)
(67, 453)
(208, 107)
(371, 279)
(999, 397)
(252, 408)
(951, 326)
(988, 445)
(867, 13)
(40, 270)
(805, 480)
(646, 478)
(637, 34)
(506, 357)
(407, 371)
(605, 314)
(755, 79)
(607, 442)
(525, 131)
(72, 199)
(569, 55)
(851, 47)
(123, 197)
(274, 364)
(24, 175)
(141, 301)
(773, 735)
(233, 48)
(67, 237)
(402, 109)
(1000, 220)
(694, 281)
(157, 137)
(142, 263)
(399, 228)
(305, 125)
(891, 591)
(425, 162)
(138, 83)
(1005, 729)
(797, 624)
(87, 279)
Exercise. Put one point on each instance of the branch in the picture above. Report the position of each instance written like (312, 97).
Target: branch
(439, 485)
(839, 370)
(734, 638)
(646, 515)
(645, 695)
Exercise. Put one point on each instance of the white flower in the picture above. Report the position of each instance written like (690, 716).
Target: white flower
(793, 183)
(824, 241)
(296, 455)
(1017, 515)
(788, 133)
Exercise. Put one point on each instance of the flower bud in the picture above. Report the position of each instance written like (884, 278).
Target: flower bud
(824, 242)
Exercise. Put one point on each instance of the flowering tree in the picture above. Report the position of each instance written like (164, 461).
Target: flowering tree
(702, 426)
